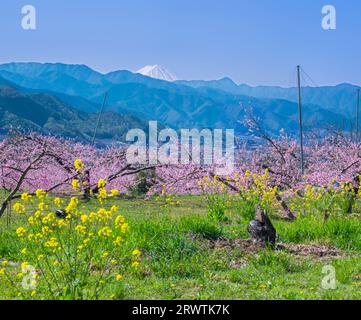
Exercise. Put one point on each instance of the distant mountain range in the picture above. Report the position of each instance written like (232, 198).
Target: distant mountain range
(63, 99)
(47, 114)
(157, 72)
(340, 98)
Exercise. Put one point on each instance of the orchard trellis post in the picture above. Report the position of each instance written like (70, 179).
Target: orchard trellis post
(357, 114)
(300, 119)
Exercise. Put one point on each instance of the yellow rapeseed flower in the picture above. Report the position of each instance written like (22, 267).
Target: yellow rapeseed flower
(114, 192)
(37, 214)
(75, 184)
(38, 236)
(48, 218)
(125, 228)
(80, 229)
(19, 208)
(73, 203)
(105, 232)
(119, 220)
(58, 202)
(31, 220)
(104, 214)
(45, 230)
(102, 194)
(24, 265)
(101, 183)
(25, 197)
(20, 231)
(118, 241)
(78, 165)
(5, 263)
(113, 209)
(42, 206)
(136, 253)
(52, 243)
(61, 223)
(40, 194)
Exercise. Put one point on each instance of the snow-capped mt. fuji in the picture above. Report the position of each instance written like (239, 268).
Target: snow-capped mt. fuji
(157, 72)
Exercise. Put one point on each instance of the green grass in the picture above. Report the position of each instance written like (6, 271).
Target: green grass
(178, 262)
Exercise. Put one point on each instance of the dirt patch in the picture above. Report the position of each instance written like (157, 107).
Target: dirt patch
(248, 245)
(311, 250)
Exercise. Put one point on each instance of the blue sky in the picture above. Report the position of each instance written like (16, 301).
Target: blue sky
(253, 41)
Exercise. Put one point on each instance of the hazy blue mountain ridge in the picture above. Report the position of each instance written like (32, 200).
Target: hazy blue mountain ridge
(183, 104)
(340, 98)
(47, 114)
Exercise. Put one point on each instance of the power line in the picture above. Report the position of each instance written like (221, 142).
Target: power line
(309, 77)
(357, 114)
(99, 117)
(300, 119)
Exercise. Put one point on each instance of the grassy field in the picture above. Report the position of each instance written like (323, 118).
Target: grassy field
(187, 255)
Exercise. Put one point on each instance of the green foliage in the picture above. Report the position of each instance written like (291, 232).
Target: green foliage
(217, 205)
(342, 232)
(74, 257)
(178, 261)
(246, 208)
(205, 228)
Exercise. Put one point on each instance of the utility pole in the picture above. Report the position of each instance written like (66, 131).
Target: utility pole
(300, 119)
(357, 115)
(99, 117)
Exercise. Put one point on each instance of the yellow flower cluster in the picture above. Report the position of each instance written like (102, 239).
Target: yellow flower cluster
(102, 191)
(58, 202)
(212, 185)
(20, 232)
(102, 195)
(121, 225)
(252, 188)
(136, 257)
(73, 204)
(53, 244)
(40, 194)
(76, 184)
(256, 188)
(105, 232)
(101, 184)
(26, 197)
(61, 247)
(102, 224)
(78, 165)
(114, 192)
(19, 208)
(167, 198)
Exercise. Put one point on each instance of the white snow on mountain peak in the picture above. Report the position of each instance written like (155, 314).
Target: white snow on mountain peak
(157, 72)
